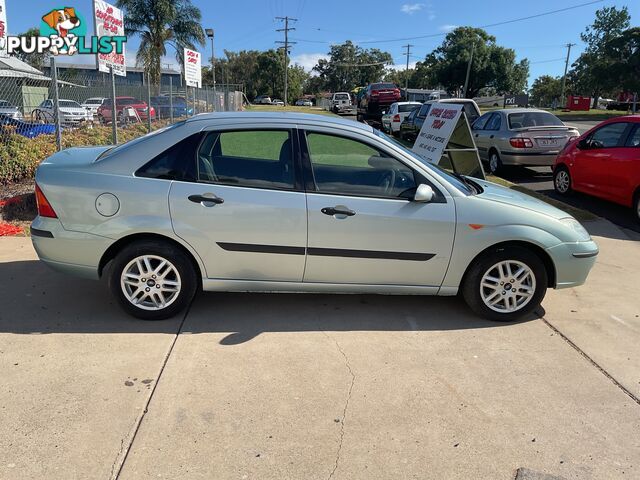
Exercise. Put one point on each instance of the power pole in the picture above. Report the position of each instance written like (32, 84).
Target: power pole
(564, 77)
(466, 79)
(285, 46)
(406, 71)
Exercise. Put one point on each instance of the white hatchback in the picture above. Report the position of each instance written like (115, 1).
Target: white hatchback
(397, 113)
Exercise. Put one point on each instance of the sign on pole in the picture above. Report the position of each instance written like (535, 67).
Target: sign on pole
(445, 139)
(3, 29)
(109, 22)
(192, 68)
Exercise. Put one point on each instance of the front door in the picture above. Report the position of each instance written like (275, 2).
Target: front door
(246, 214)
(363, 227)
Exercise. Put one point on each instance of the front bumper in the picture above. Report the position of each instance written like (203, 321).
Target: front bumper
(70, 252)
(573, 262)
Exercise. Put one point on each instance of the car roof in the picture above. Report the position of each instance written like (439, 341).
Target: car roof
(521, 110)
(292, 117)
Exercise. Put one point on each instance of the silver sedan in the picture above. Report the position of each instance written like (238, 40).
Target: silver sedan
(295, 203)
(520, 136)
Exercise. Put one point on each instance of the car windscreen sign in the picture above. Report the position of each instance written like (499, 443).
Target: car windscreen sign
(436, 131)
(109, 22)
(192, 68)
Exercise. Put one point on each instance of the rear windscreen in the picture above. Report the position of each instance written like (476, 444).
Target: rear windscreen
(533, 119)
(407, 108)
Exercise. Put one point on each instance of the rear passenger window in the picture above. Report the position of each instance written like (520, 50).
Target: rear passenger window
(494, 122)
(634, 138)
(248, 158)
(175, 163)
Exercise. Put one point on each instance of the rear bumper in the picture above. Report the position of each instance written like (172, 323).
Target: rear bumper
(70, 252)
(528, 158)
(573, 262)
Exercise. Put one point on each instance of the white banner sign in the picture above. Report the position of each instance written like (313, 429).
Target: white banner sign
(109, 22)
(192, 68)
(436, 130)
(3, 29)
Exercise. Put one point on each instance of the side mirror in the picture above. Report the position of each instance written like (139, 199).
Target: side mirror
(583, 144)
(424, 194)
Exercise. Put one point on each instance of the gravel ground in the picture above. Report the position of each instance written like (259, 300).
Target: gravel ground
(15, 189)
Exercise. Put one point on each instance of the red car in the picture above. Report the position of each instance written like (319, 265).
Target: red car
(104, 111)
(378, 97)
(604, 162)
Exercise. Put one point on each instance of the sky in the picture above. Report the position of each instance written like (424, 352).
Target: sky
(383, 24)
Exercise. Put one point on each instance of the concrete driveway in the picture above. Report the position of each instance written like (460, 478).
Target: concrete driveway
(316, 386)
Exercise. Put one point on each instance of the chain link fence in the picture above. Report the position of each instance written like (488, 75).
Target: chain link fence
(75, 107)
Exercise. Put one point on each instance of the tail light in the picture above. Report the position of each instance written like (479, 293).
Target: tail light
(44, 207)
(396, 91)
(521, 142)
(375, 93)
(396, 118)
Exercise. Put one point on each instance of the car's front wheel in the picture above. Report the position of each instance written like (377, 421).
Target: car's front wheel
(636, 205)
(152, 280)
(562, 180)
(505, 284)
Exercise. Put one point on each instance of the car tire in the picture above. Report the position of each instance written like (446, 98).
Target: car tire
(495, 164)
(142, 297)
(636, 205)
(562, 180)
(489, 276)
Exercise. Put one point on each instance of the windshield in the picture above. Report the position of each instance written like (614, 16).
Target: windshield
(341, 96)
(452, 179)
(127, 101)
(383, 85)
(135, 141)
(94, 101)
(4, 104)
(69, 104)
(533, 119)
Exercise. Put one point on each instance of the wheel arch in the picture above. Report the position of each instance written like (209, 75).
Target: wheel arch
(536, 249)
(121, 243)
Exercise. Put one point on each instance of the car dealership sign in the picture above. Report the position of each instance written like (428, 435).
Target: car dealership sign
(109, 22)
(192, 68)
(436, 130)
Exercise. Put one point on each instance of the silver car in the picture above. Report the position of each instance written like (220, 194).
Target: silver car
(9, 110)
(284, 202)
(520, 136)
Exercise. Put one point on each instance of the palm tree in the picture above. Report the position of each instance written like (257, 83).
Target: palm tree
(160, 23)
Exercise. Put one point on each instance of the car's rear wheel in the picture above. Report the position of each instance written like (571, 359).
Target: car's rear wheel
(636, 205)
(505, 284)
(495, 164)
(152, 280)
(562, 180)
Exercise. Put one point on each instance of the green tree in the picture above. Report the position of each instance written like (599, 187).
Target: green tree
(160, 23)
(350, 66)
(492, 65)
(36, 60)
(544, 90)
(624, 54)
(591, 72)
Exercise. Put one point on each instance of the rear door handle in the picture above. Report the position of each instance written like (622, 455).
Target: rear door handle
(491, 136)
(202, 198)
(338, 211)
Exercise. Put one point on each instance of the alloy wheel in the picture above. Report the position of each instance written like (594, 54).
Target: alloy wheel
(150, 282)
(507, 286)
(494, 163)
(562, 181)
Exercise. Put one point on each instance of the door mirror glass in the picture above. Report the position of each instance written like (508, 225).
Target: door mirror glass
(424, 194)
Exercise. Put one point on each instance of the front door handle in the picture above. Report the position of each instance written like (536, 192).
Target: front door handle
(338, 211)
(202, 198)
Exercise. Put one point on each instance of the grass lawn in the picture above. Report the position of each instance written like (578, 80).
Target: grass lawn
(289, 108)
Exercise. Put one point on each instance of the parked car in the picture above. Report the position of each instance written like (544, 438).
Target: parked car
(262, 100)
(163, 105)
(278, 102)
(10, 124)
(141, 107)
(411, 130)
(604, 162)
(376, 99)
(396, 114)
(9, 110)
(340, 102)
(72, 114)
(92, 104)
(304, 102)
(219, 202)
(520, 136)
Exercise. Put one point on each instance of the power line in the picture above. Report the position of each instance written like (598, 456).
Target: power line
(285, 46)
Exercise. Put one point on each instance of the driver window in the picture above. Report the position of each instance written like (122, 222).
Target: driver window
(608, 136)
(344, 166)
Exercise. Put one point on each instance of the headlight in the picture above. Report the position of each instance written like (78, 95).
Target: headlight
(581, 234)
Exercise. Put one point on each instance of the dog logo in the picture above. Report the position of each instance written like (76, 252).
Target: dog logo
(62, 23)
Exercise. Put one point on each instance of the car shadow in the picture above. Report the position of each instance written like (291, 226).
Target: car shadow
(37, 300)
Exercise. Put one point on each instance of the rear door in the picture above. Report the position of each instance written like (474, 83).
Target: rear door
(245, 211)
(363, 227)
(479, 136)
(624, 167)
